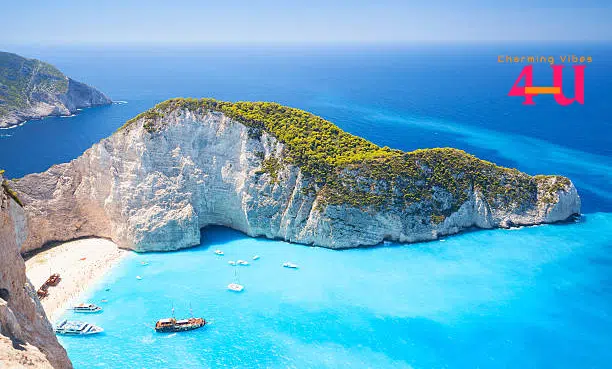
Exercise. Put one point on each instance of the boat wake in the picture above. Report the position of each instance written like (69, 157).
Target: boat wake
(119, 102)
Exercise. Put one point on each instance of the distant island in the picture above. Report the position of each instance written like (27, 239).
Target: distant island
(278, 172)
(32, 89)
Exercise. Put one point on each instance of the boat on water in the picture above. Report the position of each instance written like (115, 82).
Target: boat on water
(138, 277)
(86, 308)
(242, 262)
(231, 262)
(77, 328)
(169, 325)
(290, 265)
(256, 257)
(235, 287)
(219, 252)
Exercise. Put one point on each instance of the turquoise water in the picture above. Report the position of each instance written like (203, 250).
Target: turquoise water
(536, 297)
(530, 298)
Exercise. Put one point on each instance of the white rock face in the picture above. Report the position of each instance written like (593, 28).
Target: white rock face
(155, 191)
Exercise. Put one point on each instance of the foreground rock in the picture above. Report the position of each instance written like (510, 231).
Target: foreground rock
(26, 336)
(277, 172)
(31, 89)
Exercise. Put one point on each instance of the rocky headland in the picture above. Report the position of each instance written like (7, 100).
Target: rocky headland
(27, 339)
(32, 89)
(277, 172)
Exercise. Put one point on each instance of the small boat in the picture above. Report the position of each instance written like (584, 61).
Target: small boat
(256, 257)
(53, 280)
(231, 262)
(172, 325)
(138, 277)
(82, 259)
(144, 263)
(104, 300)
(242, 262)
(219, 252)
(235, 287)
(290, 265)
(86, 308)
(77, 328)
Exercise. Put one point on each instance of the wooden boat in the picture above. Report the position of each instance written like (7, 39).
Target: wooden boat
(76, 328)
(53, 280)
(172, 325)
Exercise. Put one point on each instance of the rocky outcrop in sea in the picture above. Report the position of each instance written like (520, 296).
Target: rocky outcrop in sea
(32, 89)
(276, 172)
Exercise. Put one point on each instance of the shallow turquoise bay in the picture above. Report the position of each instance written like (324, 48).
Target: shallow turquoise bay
(533, 297)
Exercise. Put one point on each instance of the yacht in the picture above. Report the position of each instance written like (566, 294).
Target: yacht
(242, 262)
(86, 308)
(77, 328)
(231, 262)
(289, 264)
(219, 252)
(235, 287)
(256, 257)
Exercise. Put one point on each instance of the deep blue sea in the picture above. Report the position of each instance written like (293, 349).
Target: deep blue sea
(536, 297)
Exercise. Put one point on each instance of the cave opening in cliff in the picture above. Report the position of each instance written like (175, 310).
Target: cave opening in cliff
(4, 294)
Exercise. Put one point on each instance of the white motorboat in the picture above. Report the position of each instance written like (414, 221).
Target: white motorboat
(290, 265)
(235, 287)
(219, 252)
(256, 257)
(77, 328)
(86, 308)
(138, 277)
(231, 262)
(242, 262)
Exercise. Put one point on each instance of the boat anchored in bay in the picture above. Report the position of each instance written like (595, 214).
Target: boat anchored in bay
(86, 308)
(77, 328)
(170, 325)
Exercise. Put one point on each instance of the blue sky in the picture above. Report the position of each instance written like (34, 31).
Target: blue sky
(289, 21)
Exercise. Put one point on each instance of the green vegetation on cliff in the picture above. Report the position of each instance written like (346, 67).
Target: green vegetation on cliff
(20, 78)
(351, 170)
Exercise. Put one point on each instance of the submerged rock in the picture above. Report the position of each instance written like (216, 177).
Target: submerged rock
(31, 89)
(272, 171)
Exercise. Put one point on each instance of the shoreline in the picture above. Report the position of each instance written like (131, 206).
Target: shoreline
(80, 263)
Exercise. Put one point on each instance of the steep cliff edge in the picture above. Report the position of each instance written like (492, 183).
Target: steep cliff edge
(273, 171)
(31, 89)
(26, 337)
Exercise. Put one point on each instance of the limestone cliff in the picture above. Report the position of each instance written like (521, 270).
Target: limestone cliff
(26, 337)
(31, 89)
(277, 172)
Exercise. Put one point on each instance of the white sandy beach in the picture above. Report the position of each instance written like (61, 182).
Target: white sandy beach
(80, 264)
